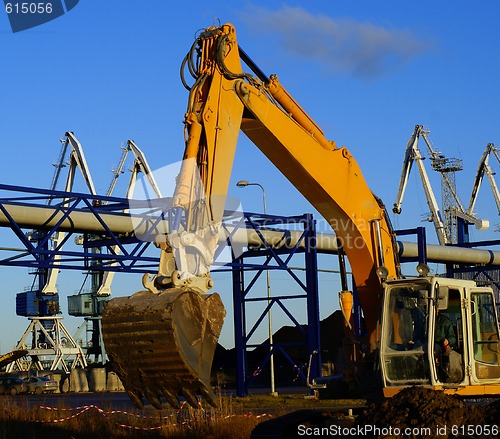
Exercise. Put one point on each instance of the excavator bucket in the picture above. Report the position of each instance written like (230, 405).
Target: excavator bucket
(162, 345)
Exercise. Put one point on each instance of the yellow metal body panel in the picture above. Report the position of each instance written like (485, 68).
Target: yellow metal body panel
(465, 391)
(11, 357)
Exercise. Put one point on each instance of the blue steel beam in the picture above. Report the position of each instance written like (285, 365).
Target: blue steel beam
(275, 259)
(38, 254)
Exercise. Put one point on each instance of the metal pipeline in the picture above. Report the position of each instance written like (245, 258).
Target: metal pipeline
(81, 221)
(46, 217)
(444, 254)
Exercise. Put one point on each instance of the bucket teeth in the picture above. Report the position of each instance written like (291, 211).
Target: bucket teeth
(155, 401)
(191, 399)
(209, 396)
(162, 345)
(136, 400)
(172, 400)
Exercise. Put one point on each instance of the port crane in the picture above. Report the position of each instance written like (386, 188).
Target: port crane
(445, 166)
(46, 336)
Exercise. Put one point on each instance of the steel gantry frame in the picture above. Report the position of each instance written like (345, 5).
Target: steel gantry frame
(95, 217)
(484, 274)
(245, 275)
(76, 214)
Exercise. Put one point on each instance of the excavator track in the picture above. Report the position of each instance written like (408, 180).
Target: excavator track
(162, 345)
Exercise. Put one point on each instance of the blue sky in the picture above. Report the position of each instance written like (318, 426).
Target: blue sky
(365, 71)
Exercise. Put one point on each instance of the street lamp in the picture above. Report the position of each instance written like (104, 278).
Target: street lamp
(245, 183)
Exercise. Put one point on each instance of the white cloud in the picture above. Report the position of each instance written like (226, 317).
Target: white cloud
(347, 46)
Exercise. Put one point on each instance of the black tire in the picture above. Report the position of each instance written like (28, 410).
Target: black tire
(38, 390)
(13, 391)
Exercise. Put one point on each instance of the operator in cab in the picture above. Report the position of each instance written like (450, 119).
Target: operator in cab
(444, 337)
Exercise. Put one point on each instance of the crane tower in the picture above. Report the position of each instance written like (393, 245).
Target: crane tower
(448, 167)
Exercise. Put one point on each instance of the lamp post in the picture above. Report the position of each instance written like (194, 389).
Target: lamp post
(245, 183)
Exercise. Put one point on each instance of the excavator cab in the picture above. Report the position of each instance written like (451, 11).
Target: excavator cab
(405, 334)
(418, 314)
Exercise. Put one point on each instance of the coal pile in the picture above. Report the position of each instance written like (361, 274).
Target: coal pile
(425, 413)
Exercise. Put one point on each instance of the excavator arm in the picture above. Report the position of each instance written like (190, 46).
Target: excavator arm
(330, 179)
(161, 341)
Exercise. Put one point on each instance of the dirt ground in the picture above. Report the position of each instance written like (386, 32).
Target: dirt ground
(427, 413)
(415, 412)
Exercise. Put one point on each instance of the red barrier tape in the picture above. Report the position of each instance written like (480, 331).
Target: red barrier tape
(85, 408)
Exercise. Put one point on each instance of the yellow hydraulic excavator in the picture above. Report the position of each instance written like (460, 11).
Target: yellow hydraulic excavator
(161, 341)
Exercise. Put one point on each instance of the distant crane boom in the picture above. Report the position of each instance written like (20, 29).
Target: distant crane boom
(412, 154)
(485, 168)
(140, 165)
(76, 160)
